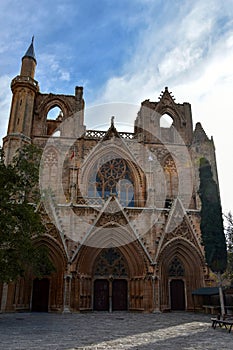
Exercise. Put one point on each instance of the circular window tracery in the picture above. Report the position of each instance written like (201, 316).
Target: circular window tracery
(112, 178)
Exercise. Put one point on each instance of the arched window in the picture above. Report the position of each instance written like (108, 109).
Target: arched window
(112, 178)
(50, 168)
(110, 262)
(176, 268)
(171, 176)
(55, 113)
(165, 121)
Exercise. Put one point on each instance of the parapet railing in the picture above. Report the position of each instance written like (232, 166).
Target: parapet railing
(99, 134)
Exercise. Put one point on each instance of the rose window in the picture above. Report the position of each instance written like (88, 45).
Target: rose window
(112, 178)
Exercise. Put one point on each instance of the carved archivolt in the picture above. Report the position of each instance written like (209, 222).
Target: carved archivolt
(185, 251)
(56, 252)
(131, 254)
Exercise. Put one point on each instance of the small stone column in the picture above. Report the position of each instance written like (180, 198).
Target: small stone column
(67, 291)
(73, 183)
(157, 295)
(110, 293)
(4, 297)
(153, 278)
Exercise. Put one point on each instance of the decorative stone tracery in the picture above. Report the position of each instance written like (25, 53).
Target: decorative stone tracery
(171, 175)
(111, 263)
(176, 268)
(112, 178)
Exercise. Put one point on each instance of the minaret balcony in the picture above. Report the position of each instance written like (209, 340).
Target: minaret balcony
(25, 81)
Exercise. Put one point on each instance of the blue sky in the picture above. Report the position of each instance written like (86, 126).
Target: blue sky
(127, 51)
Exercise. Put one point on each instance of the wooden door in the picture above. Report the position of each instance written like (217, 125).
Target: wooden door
(40, 295)
(101, 295)
(119, 295)
(177, 295)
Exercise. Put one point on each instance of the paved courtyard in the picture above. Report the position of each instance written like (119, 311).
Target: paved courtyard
(118, 330)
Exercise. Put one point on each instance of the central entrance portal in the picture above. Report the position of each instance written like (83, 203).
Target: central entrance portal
(111, 285)
(110, 295)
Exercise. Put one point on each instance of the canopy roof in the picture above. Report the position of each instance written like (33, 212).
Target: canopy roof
(206, 291)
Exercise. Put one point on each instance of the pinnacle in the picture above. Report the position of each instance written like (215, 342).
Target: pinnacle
(30, 51)
(166, 92)
(199, 134)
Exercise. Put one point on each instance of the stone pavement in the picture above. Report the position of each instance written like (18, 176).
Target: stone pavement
(118, 330)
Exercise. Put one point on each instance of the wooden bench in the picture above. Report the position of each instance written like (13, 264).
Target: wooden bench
(213, 308)
(221, 323)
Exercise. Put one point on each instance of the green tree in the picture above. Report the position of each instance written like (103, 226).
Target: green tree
(212, 228)
(229, 239)
(19, 221)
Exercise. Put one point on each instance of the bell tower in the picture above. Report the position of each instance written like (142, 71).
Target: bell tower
(24, 89)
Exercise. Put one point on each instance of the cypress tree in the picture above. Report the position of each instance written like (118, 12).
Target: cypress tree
(212, 228)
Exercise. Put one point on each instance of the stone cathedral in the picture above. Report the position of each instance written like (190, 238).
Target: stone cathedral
(121, 209)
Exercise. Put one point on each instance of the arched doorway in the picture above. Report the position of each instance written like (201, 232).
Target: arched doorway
(110, 295)
(111, 284)
(40, 295)
(177, 294)
(101, 295)
(119, 295)
(176, 272)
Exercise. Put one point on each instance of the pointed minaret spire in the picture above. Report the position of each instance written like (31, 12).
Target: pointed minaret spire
(30, 51)
(29, 62)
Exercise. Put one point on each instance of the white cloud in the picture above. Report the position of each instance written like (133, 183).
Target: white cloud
(197, 65)
(64, 75)
(50, 66)
(165, 53)
(184, 59)
(187, 46)
(211, 98)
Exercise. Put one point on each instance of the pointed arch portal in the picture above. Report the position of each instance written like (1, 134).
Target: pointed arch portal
(180, 268)
(40, 295)
(177, 294)
(111, 284)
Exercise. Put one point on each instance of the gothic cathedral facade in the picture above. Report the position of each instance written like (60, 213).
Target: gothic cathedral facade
(121, 209)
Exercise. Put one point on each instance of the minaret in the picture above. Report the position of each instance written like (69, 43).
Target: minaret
(29, 62)
(24, 89)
